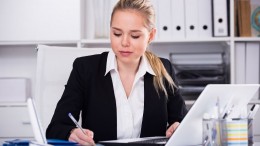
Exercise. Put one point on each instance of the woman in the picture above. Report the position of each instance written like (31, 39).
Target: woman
(124, 93)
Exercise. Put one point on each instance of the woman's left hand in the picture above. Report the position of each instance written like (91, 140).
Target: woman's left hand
(171, 129)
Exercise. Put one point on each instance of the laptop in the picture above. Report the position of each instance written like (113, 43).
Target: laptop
(35, 122)
(189, 131)
(39, 134)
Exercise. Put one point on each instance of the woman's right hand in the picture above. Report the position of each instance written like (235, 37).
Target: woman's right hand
(83, 139)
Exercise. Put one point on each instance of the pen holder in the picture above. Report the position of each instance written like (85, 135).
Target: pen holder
(211, 132)
(222, 132)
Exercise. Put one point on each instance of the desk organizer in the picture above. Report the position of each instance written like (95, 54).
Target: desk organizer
(225, 132)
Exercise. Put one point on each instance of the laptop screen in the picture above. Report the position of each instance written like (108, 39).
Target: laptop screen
(35, 122)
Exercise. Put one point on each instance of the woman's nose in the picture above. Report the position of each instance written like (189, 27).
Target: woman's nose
(125, 41)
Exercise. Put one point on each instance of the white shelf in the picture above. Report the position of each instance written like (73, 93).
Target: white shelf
(13, 104)
(247, 39)
(160, 41)
(192, 40)
(38, 42)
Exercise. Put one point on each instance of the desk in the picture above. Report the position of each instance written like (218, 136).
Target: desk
(256, 138)
(256, 143)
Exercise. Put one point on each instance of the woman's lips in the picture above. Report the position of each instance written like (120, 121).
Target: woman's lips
(125, 53)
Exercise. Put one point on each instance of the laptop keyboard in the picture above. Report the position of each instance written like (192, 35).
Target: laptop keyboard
(155, 140)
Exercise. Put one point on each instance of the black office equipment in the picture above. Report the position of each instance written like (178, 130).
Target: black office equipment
(196, 70)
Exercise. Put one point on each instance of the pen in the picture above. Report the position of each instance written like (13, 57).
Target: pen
(209, 133)
(207, 121)
(206, 141)
(218, 108)
(227, 113)
(250, 112)
(253, 111)
(229, 105)
(76, 123)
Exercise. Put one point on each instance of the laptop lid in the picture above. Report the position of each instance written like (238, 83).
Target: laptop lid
(38, 132)
(189, 131)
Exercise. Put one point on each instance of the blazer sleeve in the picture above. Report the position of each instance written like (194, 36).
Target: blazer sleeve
(176, 106)
(70, 102)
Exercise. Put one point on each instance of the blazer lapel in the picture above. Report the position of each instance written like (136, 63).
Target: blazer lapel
(109, 98)
(155, 110)
(149, 92)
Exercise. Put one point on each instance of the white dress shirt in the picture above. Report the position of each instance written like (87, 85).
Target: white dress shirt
(129, 110)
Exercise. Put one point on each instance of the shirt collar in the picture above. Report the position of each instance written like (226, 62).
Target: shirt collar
(143, 67)
(111, 62)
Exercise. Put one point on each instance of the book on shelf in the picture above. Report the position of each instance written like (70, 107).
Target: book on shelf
(255, 18)
(247, 18)
(243, 13)
(235, 18)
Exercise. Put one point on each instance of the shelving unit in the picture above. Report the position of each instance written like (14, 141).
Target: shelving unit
(13, 52)
(227, 42)
(50, 42)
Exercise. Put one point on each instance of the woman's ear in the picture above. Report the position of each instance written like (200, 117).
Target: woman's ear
(152, 35)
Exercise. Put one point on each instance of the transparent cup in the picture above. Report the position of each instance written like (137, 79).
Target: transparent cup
(250, 131)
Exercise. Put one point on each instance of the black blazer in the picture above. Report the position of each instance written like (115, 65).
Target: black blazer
(90, 91)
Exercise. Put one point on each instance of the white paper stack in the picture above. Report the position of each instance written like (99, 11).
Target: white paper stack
(196, 59)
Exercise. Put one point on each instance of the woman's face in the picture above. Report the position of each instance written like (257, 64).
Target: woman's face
(129, 36)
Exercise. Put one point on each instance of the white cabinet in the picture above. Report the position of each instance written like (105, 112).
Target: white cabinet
(15, 121)
(39, 20)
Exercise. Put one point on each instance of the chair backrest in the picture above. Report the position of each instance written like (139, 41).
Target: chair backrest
(54, 65)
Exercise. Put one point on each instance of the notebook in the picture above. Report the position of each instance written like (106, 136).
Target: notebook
(189, 131)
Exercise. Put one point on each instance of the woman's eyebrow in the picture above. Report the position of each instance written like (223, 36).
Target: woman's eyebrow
(135, 30)
(116, 28)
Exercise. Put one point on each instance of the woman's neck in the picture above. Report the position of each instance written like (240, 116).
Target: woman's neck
(127, 72)
(129, 68)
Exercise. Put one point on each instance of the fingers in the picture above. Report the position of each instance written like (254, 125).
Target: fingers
(89, 133)
(171, 129)
(83, 139)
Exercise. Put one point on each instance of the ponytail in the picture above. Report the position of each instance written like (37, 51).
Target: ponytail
(161, 73)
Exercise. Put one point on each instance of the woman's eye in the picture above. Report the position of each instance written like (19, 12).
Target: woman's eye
(117, 34)
(135, 37)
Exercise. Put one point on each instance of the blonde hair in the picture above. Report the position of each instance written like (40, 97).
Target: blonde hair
(145, 8)
(161, 73)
